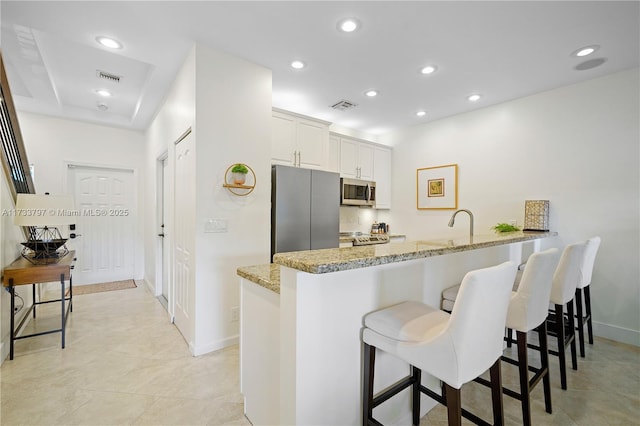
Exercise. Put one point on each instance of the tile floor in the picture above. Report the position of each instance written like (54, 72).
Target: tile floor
(125, 364)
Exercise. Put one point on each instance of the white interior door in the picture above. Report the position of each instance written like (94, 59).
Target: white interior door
(184, 237)
(163, 233)
(104, 198)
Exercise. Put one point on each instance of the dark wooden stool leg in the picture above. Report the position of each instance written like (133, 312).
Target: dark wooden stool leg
(417, 377)
(523, 367)
(580, 318)
(572, 336)
(544, 365)
(454, 405)
(560, 336)
(367, 385)
(496, 393)
(587, 303)
(509, 337)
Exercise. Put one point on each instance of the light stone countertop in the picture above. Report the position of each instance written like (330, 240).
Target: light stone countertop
(267, 275)
(342, 259)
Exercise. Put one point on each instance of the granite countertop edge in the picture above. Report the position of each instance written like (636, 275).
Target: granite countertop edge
(343, 259)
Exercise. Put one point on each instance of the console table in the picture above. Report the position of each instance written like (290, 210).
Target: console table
(22, 272)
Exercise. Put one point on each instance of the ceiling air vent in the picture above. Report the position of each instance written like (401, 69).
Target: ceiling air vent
(108, 76)
(343, 105)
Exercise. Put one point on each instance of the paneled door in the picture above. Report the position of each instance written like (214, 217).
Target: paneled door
(105, 226)
(184, 236)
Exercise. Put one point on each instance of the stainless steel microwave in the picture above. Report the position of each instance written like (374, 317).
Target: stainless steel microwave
(356, 192)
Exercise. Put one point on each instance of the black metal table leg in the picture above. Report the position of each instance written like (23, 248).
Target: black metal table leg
(12, 290)
(33, 293)
(62, 325)
(71, 293)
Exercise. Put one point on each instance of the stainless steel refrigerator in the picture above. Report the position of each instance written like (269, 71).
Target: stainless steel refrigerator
(305, 209)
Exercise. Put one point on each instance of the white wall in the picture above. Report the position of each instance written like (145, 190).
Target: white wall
(51, 143)
(233, 116)
(577, 146)
(227, 102)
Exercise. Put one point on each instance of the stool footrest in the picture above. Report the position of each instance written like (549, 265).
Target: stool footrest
(393, 390)
(442, 400)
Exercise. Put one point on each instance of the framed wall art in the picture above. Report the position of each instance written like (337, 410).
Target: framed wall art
(437, 188)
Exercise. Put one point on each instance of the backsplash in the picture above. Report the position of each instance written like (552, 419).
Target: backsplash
(357, 219)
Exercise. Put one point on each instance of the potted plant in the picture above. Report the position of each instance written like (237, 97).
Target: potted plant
(505, 227)
(239, 174)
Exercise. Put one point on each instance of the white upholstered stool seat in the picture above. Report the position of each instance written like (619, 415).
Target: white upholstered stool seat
(454, 348)
(583, 307)
(449, 294)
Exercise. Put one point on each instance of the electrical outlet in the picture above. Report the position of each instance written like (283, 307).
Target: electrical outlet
(235, 314)
(513, 222)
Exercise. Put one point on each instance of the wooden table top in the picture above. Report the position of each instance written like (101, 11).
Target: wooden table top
(24, 272)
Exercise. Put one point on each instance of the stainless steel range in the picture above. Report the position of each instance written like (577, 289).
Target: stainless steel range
(361, 239)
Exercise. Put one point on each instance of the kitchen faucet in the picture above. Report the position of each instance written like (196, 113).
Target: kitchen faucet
(453, 219)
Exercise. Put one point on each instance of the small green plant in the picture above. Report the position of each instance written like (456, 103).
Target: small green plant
(240, 168)
(505, 227)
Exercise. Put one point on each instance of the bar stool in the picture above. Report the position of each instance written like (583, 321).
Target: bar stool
(528, 311)
(455, 348)
(565, 281)
(583, 286)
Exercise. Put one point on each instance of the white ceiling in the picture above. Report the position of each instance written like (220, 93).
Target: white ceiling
(503, 50)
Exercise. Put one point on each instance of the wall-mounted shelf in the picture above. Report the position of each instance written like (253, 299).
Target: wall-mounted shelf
(240, 189)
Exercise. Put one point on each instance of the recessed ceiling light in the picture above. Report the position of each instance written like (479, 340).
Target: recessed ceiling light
(421, 113)
(298, 64)
(473, 98)
(371, 93)
(429, 69)
(103, 92)
(109, 42)
(348, 25)
(584, 51)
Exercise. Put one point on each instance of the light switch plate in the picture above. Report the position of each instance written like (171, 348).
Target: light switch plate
(215, 225)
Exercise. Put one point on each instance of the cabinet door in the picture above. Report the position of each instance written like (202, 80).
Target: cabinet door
(382, 177)
(365, 161)
(348, 158)
(283, 138)
(312, 141)
(333, 155)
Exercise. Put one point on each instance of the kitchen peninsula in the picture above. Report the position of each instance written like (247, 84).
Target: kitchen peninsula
(302, 317)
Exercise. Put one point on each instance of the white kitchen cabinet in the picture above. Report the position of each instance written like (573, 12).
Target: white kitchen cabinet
(299, 141)
(333, 157)
(382, 176)
(356, 159)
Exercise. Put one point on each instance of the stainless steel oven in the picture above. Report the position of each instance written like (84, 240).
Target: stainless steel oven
(356, 192)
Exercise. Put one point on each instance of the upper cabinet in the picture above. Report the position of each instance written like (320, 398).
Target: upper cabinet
(368, 161)
(356, 159)
(299, 141)
(382, 176)
(333, 157)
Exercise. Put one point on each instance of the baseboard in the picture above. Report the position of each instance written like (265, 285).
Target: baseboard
(150, 287)
(214, 346)
(616, 333)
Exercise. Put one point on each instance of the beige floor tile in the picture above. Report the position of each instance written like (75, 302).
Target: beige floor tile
(124, 363)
